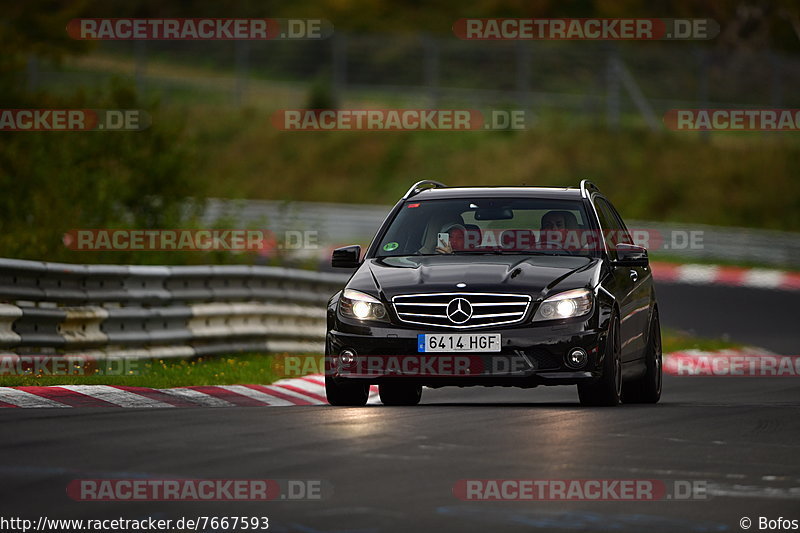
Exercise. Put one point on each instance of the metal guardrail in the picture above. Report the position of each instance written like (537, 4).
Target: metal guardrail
(357, 223)
(738, 245)
(156, 311)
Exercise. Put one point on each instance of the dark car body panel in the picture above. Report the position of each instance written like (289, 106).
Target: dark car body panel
(532, 275)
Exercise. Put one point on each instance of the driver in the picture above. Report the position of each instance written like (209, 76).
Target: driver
(559, 220)
(555, 227)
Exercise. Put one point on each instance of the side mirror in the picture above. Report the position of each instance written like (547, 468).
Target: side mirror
(347, 257)
(631, 255)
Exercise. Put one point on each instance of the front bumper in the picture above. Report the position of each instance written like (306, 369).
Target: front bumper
(529, 356)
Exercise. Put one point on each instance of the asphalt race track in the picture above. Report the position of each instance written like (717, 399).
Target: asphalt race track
(760, 317)
(394, 469)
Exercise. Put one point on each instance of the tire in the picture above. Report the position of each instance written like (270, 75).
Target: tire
(607, 390)
(647, 389)
(400, 393)
(346, 394)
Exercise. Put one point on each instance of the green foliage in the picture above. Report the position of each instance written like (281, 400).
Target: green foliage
(35, 27)
(732, 179)
(54, 182)
(320, 95)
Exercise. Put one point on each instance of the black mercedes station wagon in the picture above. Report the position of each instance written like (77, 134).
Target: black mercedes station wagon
(496, 286)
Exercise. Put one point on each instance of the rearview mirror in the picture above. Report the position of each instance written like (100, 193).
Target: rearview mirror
(346, 257)
(631, 255)
(494, 213)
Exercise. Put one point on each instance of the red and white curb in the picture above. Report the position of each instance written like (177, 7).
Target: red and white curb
(757, 278)
(307, 390)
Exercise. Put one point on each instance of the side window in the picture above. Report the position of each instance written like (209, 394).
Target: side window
(625, 236)
(613, 231)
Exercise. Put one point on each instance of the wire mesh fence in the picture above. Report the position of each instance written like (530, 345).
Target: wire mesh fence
(600, 81)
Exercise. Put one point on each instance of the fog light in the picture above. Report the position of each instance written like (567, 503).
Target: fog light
(347, 357)
(576, 358)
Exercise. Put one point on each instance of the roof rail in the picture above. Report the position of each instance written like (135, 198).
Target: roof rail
(419, 186)
(587, 188)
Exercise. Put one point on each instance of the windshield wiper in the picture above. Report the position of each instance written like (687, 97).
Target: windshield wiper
(516, 252)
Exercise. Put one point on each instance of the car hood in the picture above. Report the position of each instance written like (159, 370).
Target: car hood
(533, 275)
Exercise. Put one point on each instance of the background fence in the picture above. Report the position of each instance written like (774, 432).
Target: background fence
(601, 82)
(339, 224)
(154, 311)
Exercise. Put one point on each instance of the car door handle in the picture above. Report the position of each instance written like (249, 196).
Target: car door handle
(634, 275)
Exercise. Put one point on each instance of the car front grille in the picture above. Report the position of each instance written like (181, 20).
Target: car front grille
(461, 310)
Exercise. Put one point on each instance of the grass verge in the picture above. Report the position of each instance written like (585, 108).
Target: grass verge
(167, 373)
(674, 341)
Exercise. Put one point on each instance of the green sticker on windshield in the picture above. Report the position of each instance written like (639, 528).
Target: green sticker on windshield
(389, 246)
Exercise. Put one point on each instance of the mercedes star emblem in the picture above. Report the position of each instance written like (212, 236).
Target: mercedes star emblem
(459, 310)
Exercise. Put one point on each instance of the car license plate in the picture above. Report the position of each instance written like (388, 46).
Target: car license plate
(468, 342)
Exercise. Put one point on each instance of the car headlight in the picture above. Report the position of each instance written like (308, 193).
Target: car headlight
(355, 304)
(567, 304)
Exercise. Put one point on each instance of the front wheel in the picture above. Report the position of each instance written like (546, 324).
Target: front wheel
(607, 390)
(647, 389)
(346, 394)
(400, 393)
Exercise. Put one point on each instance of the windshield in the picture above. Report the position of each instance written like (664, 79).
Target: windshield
(489, 226)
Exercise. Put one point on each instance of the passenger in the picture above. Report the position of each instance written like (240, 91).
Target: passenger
(457, 233)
